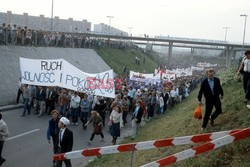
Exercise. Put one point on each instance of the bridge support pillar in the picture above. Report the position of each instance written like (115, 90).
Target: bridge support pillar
(170, 50)
(192, 54)
(229, 55)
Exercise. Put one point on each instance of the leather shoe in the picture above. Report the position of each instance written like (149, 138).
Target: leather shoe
(2, 161)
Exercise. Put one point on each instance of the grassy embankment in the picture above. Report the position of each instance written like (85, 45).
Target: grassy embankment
(117, 59)
(180, 122)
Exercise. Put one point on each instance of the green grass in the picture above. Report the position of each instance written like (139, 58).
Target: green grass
(117, 59)
(180, 122)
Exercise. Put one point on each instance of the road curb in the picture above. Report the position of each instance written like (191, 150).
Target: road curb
(10, 107)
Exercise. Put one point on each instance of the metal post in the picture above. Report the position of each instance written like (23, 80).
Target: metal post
(226, 32)
(110, 17)
(170, 48)
(132, 155)
(244, 33)
(52, 16)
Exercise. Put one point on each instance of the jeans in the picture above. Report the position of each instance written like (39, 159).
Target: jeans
(161, 110)
(74, 114)
(26, 106)
(62, 110)
(84, 117)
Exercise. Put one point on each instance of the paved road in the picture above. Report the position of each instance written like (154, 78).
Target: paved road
(27, 145)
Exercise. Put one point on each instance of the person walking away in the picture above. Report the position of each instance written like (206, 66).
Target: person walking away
(75, 103)
(3, 134)
(97, 121)
(65, 141)
(213, 93)
(115, 118)
(245, 67)
(84, 104)
(27, 97)
(53, 131)
(136, 118)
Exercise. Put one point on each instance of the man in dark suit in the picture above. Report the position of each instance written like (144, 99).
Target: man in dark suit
(213, 92)
(136, 118)
(165, 99)
(65, 142)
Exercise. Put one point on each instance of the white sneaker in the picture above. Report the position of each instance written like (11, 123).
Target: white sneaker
(248, 106)
(76, 124)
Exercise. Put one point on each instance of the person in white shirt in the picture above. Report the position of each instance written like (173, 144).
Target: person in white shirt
(116, 119)
(75, 103)
(173, 95)
(245, 70)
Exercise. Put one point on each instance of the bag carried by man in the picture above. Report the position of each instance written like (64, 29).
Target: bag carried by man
(198, 112)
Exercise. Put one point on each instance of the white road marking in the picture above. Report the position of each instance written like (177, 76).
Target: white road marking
(22, 134)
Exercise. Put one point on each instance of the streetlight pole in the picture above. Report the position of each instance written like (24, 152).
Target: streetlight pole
(129, 29)
(110, 17)
(51, 28)
(244, 33)
(225, 32)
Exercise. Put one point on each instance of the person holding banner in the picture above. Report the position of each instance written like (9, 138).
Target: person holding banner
(213, 93)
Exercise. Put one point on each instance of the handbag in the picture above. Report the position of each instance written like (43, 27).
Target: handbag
(198, 112)
(98, 129)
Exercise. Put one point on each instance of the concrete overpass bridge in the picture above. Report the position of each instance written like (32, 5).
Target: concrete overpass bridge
(229, 48)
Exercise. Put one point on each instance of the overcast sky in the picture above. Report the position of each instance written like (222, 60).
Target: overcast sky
(179, 18)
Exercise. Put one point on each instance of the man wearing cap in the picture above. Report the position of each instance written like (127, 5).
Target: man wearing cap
(53, 131)
(65, 142)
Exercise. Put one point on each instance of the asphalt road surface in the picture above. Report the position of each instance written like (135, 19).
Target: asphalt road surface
(27, 144)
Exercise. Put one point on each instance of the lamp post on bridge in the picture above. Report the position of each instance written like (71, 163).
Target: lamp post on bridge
(129, 30)
(110, 17)
(226, 28)
(52, 9)
(244, 33)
